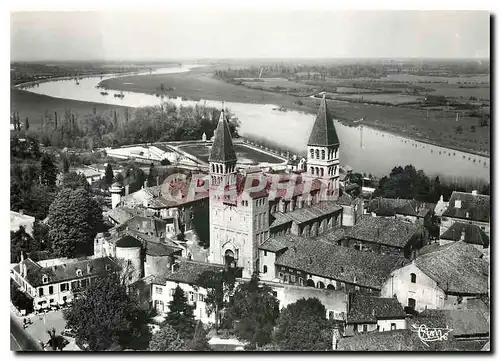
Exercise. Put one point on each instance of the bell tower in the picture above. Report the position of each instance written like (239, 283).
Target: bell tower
(222, 159)
(323, 150)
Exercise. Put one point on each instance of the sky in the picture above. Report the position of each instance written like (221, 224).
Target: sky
(202, 34)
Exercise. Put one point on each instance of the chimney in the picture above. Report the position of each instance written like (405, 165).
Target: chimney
(373, 312)
(126, 189)
(458, 203)
(21, 211)
(467, 214)
(474, 192)
(157, 180)
(441, 199)
(145, 184)
(355, 279)
(462, 235)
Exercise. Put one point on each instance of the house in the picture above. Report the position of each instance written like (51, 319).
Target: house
(405, 209)
(441, 279)
(469, 233)
(368, 313)
(57, 281)
(384, 236)
(18, 219)
(183, 273)
(316, 262)
(470, 208)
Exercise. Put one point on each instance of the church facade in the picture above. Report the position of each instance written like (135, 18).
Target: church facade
(246, 208)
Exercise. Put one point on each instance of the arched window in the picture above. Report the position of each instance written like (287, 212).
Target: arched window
(78, 272)
(312, 153)
(229, 257)
(322, 154)
(317, 171)
(321, 284)
(312, 170)
(330, 287)
(322, 172)
(265, 269)
(317, 153)
(213, 168)
(413, 278)
(310, 283)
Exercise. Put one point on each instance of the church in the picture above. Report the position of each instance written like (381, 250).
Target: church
(247, 207)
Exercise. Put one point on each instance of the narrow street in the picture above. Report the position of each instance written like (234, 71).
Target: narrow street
(20, 340)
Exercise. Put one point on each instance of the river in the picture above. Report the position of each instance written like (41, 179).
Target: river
(365, 149)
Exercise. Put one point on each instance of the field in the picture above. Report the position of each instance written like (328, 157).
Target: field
(436, 127)
(243, 153)
(393, 99)
(34, 106)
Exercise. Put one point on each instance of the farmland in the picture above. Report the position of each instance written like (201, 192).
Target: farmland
(431, 122)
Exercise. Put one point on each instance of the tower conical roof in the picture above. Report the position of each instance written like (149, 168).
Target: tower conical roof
(222, 148)
(323, 132)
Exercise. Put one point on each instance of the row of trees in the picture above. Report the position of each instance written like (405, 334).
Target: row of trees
(166, 122)
(408, 183)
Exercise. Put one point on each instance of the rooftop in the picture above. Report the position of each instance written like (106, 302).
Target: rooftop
(458, 269)
(462, 322)
(121, 214)
(368, 309)
(387, 231)
(323, 132)
(222, 148)
(475, 207)
(66, 272)
(408, 207)
(319, 257)
(473, 234)
(306, 214)
(187, 272)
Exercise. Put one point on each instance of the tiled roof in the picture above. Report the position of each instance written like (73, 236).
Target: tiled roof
(397, 340)
(368, 309)
(344, 264)
(121, 214)
(345, 199)
(388, 231)
(160, 249)
(277, 243)
(128, 241)
(306, 214)
(458, 269)
(222, 148)
(477, 207)
(323, 132)
(472, 234)
(67, 271)
(407, 207)
(187, 272)
(462, 322)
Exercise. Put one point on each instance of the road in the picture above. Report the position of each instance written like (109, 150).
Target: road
(20, 340)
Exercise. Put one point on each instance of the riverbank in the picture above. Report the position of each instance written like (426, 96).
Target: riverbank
(435, 128)
(34, 106)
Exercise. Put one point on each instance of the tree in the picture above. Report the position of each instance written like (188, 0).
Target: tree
(26, 124)
(219, 286)
(74, 220)
(55, 342)
(107, 314)
(199, 342)
(253, 310)
(75, 180)
(180, 315)
(48, 171)
(108, 175)
(19, 298)
(20, 241)
(303, 326)
(166, 339)
(152, 175)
